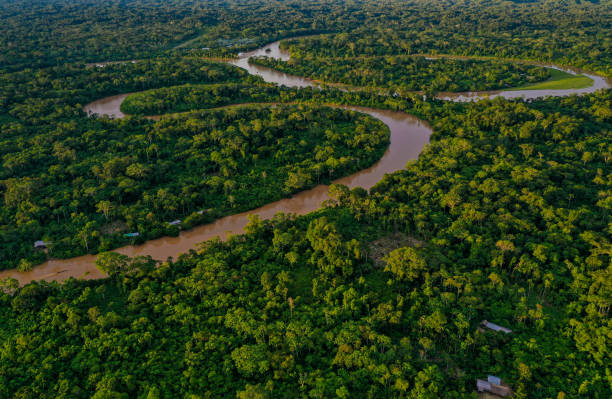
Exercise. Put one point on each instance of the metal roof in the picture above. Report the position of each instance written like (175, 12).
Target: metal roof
(496, 327)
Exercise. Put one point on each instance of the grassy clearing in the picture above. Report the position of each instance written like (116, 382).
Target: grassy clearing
(559, 80)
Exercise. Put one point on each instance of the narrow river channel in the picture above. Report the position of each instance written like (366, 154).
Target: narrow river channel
(408, 137)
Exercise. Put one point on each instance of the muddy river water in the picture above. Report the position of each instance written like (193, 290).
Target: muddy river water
(408, 137)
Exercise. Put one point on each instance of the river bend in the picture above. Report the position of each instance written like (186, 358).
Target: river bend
(408, 137)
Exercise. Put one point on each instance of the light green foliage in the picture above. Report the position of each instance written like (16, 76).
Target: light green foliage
(405, 263)
(251, 359)
(559, 80)
(511, 202)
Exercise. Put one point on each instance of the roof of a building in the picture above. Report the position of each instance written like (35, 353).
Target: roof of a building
(494, 386)
(482, 385)
(39, 243)
(494, 380)
(495, 327)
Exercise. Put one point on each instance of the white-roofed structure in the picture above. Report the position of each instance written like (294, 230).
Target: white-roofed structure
(494, 380)
(495, 327)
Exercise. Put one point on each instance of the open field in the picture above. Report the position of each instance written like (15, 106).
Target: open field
(559, 80)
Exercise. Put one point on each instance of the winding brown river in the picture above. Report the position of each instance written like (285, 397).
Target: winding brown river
(408, 137)
(274, 50)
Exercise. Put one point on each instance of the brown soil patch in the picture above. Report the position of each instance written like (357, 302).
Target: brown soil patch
(115, 226)
(381, 247)
(487, 395)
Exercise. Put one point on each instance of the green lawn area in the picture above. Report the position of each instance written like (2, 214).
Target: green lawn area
(559, 80)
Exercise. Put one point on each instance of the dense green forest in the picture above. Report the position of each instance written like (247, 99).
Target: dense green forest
(505, 216)
(36, 96)
(190, 97)
(511, 206)
(50, 32)
(81, 190)
(457, 36)
(410, 73)
(48, 142)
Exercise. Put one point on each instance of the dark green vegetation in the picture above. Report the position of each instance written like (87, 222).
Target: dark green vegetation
(560, 32)
(50, 32)
(512, 202)
(408, 72)
(190, 97)
(48, 182)
(84, 189)
(45, 144)
(40, 33)
(193, 97)
(43, 97)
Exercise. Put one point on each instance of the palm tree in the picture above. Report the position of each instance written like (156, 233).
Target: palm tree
(105, 207)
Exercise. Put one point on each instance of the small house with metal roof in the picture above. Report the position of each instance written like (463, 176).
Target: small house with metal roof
(495, 327)
(493, 385)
